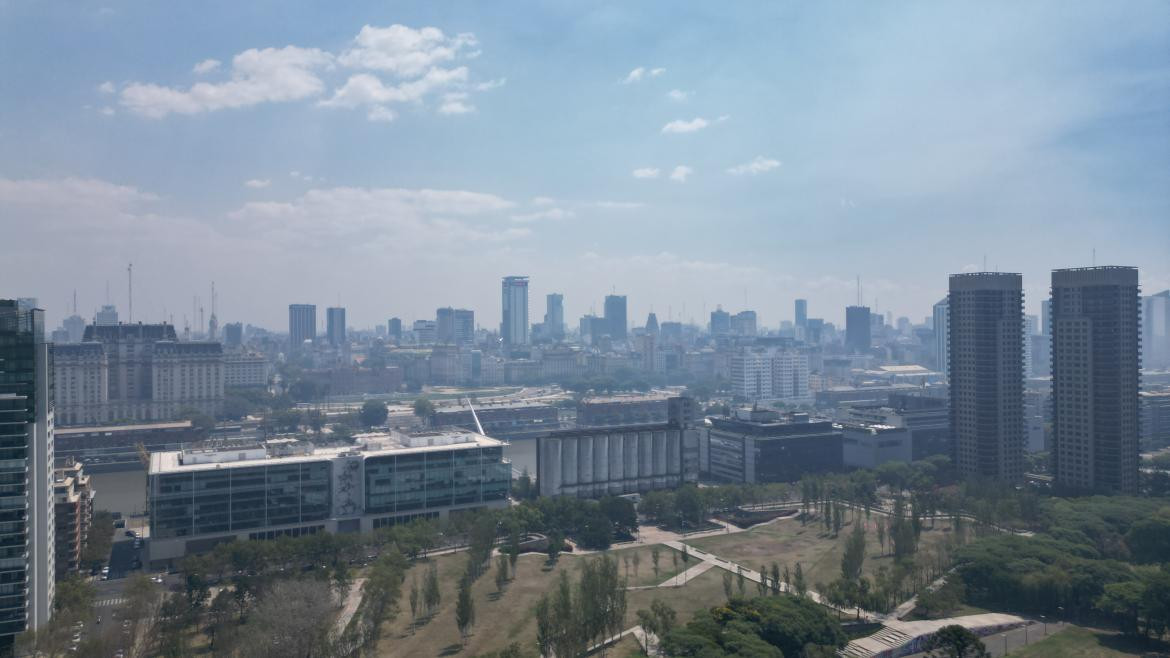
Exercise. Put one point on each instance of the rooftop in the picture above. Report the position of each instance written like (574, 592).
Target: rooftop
(374, 444)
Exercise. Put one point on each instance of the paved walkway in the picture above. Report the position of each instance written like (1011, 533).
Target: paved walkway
(896, 634)
(353, 599)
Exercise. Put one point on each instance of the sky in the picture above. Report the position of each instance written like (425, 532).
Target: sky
(395, 157)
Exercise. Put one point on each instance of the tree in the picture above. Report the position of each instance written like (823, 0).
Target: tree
(646, 621)
(293, 619)
(464, 609)
(501, 573)
(727, 584)
(544, 626)
(423, 408)
(414, 601)
(954, 641)
(655, 556)
(637, 560)
(798, 581)
(554, 545)
(776, 578)
(881, 533)
(431, 595)
(373, 413)
(854, 556)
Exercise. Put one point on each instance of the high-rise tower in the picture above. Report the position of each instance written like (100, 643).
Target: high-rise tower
(26, 500)
(335, 326)
(514, 307)
(1096, 330)
(615, 316)
(858, 334)
(986, 368)
(554, 315)
(302, 324)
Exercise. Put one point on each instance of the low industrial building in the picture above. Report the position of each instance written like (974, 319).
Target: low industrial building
(618, 410)
(200, 498)
(506, 420)
(624, 459)
(761, 445)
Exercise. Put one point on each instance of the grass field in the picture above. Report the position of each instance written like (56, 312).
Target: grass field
(788, 542)
(501, 620)
(1078, 642)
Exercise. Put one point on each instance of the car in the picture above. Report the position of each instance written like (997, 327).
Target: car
(129, 533)
(157, 578)
(105, 570)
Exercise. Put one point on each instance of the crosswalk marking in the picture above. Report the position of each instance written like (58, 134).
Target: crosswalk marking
(117, 601)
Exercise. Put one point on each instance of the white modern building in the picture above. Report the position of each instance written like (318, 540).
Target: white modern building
(770, 374)
(245, 370)
(199, 498)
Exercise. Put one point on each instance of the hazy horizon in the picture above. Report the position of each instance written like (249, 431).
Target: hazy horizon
(401, 158)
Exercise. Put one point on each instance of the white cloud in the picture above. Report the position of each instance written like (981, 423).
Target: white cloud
(403, 51)
(680, 173)
(679, 96)
(456, 103)
(257, 183)
(270, 75)
(619, 205)
(206, 66)
(106, 87)
(646, 172)
(638, 74)
(683, 126)
(367, 89)
(551, 214)
(395, 64)
(381, 113)
(634, 76)
(758, 165)
(107, 111)
(542, 201)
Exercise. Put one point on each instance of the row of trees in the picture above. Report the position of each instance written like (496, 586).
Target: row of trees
(572, 618)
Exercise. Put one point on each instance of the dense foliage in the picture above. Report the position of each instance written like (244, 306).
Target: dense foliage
(764, 626)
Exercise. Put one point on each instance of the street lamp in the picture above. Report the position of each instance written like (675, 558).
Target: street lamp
(1044, 621)
(1005, 644)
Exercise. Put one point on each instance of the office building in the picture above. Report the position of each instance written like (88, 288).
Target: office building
(629, 409)
(514, 323)
(27, 570)
(801, 316)
(1155, 419)
(593, 329)
(136, 372)
(73, 513)
(744, 323)
(455, 326)
(940, 336)
(200, 498)
(769, 374)
(720, 322)
(302, 325)
(615, 316)
(1156, 331)
(857, 329)
(600, 461)
(74, 328)
(233, 335)
(425, 332)
(652, 324)
(335, 326)
(242, 370)
(869, 445)
(502, 420)
(554, 316)
(1096, 344)
(107, 315)
(761, 445)
(394, 329)
(986, 365)
(927, 420)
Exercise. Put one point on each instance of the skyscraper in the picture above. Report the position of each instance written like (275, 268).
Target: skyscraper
(720, 322)
(335, 326)
(801, 313)
(554, 315)
(108, 315)
(302, 324)
(394, 329)
(233, 334)
(652, 324)
(514, 318)
(986, 367)
(1156, 331)
(26, 500)
(857, 329)
(1095, 371)
(455, 326)
(940, 336)
(615, 316)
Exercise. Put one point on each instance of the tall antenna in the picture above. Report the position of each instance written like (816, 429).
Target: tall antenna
(1094, 257)
(859, 290)
(984, 262)
(130, 291)
(75, 301)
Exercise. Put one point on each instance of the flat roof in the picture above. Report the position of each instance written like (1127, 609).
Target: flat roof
(168, 461)
(184, 424)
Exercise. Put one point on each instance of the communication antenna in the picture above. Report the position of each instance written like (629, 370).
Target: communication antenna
(75, 301)
(1094, 257)
(130, 291)
(859, 297)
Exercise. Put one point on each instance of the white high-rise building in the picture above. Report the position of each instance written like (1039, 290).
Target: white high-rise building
(769, 375)
(514, 318)
(941, 355)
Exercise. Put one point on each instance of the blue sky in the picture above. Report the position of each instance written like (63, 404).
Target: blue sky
(403, 156)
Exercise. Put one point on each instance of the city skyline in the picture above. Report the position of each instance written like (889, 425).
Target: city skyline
(777, 161)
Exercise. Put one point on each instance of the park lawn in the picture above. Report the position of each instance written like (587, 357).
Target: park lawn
(644, 575)
(499, 621)
(788, 542)
(1080, 642)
